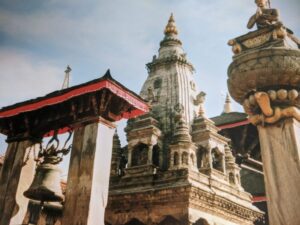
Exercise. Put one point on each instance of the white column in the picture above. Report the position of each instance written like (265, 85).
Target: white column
(280, 149)
(88, 179)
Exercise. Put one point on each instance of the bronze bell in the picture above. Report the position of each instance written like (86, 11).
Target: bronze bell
(46, 185)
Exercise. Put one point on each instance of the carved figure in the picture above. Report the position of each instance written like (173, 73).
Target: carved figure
(150, 95)
(272, 114)
(264, 16)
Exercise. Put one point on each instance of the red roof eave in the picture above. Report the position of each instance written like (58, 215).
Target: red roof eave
(140, 106)
(232, 125)
(259, 199)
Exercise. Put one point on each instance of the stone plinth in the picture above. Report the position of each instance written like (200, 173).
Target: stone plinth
(281, 161)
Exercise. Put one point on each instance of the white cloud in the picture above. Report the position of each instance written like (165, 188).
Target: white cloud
(122, 35)
(23, 77)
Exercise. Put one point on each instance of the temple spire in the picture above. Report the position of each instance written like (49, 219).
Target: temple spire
(227, 105)
(171, 28)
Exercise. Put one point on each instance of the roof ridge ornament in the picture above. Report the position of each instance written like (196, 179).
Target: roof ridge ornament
(107, 74)
(66, 82)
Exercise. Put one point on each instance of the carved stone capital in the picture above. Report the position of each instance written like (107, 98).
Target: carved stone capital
(271, 106)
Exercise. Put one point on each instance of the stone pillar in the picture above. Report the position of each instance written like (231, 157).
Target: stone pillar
(209, 159)
(15, 178)
(129, 157)
(280, 149)
(88, 178)
(171, 163)
(150, 154)
(179, 159)
(223, 163)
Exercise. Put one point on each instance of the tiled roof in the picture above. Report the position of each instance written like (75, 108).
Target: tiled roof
(228, 118)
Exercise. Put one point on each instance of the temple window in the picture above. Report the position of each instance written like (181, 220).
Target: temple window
(176, 159)
(231, 178)
(155, 155)
(217, 159)
(200, 157)
(157, 84)
(185, 158)
(169, 220)
(201, 221)
(139, 155)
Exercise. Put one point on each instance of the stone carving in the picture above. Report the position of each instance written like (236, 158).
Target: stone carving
(200, 98)
(273, 106)
(179, 108)
(261, 69)
(257, 41)
(200, 101)
(264, 16)
(273, 35)
(271, 32)
(150, 95)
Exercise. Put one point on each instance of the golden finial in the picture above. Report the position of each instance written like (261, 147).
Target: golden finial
(171, 26)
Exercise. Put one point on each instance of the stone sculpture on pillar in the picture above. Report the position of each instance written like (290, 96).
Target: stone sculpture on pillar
(264, 77)
(264, 16)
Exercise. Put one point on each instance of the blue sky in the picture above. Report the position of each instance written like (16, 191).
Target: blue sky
(39, 38)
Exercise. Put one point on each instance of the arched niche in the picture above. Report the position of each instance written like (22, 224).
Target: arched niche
(169, 220)
(134, 221)
(200, 157)
(231, 178)
(217, 159)
(139, 155)
(176, 159)
(157, 83)
(185, 158)
(155, 155)
(201, 221)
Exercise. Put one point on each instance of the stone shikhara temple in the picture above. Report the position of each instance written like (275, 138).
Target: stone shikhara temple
(180, 167)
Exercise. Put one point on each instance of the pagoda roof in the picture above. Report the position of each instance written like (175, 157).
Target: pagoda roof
(100, 98)
(63, 95)
(230, 120)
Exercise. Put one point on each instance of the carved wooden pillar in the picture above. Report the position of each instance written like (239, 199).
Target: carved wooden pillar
(280, 150)
(15, 178)
(88, 178)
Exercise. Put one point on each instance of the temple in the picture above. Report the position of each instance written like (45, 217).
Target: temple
(179, 169)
